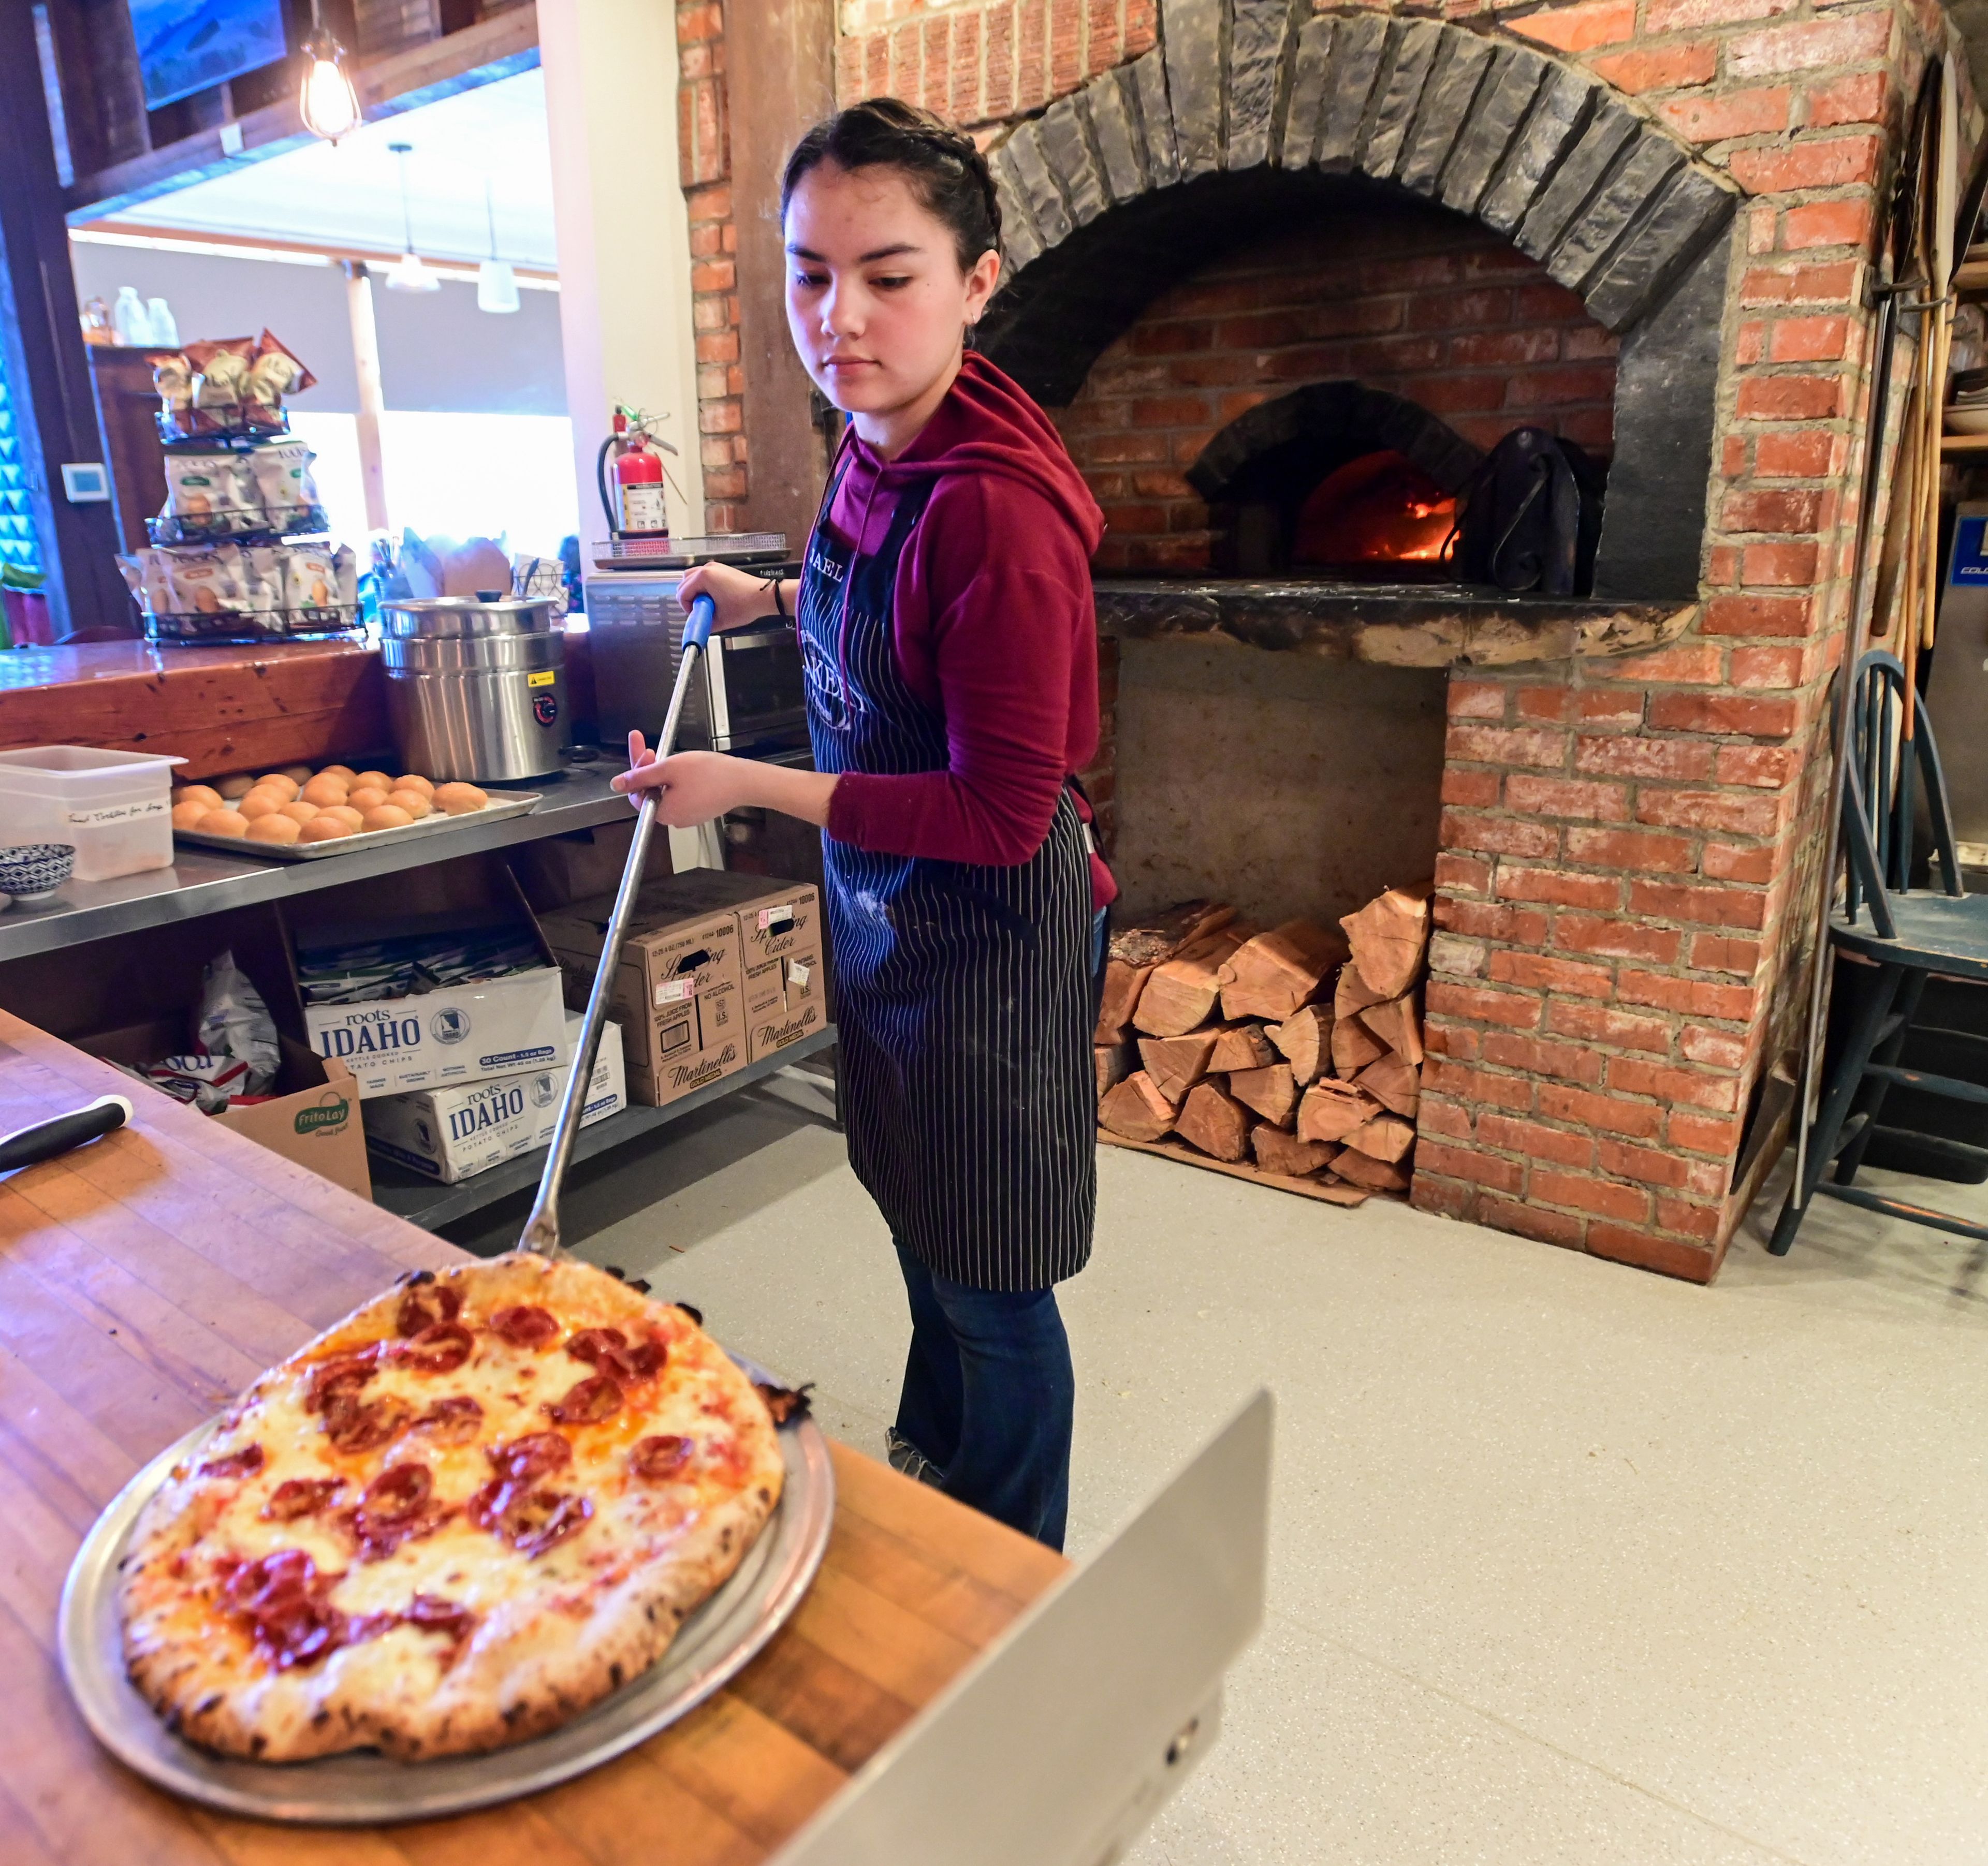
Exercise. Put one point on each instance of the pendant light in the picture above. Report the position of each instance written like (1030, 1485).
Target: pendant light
(327, 102)
(496, 284)
(408, 273)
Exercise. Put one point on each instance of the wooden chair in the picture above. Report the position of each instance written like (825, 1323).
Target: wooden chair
(1911, 935)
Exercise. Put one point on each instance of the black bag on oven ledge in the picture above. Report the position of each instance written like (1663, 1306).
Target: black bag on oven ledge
(1530, 516)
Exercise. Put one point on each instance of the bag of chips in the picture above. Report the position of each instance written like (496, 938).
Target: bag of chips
(284, 484)
(212, 494)
(311, 577)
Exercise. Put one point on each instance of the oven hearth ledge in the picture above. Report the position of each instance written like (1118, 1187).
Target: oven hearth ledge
(1397, 625)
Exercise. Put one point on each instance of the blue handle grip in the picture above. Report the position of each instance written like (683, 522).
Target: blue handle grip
(697, 627)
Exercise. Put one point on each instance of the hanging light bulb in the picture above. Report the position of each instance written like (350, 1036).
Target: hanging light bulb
(496, 284)
(328, 104)
(408, 274)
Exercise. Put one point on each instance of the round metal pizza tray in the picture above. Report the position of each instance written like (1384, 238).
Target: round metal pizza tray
(367, 1789)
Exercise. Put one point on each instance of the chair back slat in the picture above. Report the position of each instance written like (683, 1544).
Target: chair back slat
(1883, 774)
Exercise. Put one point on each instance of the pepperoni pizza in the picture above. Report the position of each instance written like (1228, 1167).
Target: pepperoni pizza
(457, 1518)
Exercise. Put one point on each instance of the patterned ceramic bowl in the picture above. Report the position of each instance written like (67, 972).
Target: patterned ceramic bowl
(32, 871)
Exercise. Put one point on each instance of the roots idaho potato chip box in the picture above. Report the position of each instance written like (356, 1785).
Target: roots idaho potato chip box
(676, 991)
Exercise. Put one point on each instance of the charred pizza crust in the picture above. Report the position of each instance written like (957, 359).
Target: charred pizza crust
(451, 1610)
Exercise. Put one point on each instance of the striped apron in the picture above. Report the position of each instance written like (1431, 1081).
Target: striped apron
(963, 993)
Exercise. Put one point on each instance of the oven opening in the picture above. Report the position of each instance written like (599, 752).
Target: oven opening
(1378, 513)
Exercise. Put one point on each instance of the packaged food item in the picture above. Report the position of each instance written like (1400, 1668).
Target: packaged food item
(207, 582)
(311, 577)
(274, 374)
(281, 472)
(144, 575)
(263, 577)
(345, 563)
(212, 492)
(172, 376)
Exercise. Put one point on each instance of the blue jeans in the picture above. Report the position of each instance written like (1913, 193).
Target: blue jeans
(987, 1399)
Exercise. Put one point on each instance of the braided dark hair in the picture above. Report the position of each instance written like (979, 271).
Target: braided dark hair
(948, 173)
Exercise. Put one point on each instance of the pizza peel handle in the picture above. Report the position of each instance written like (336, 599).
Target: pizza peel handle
(542, 1228)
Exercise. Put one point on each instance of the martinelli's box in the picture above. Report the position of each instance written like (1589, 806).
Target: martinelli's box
(676, 991)
(431, 979)
(785, 994)
(450, 1134)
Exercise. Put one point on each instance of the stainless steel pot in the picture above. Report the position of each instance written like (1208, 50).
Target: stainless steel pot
(476, 689)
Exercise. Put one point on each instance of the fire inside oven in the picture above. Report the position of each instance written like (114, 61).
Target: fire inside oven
(1378, 511)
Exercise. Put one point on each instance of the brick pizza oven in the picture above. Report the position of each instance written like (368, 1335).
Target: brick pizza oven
(1250, 242)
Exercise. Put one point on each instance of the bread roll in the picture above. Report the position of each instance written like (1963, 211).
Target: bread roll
(325, 788)
(324, 829)
(375, 780)
(363, 797)
(261, 803)
(239, 785)
(301, 812)
(285, 786)
(344, 773)
(197, 793)
(223, 822)
(346, 814)
(459, 799)
(414, 781)
(298, 775)
(386, 816)
(413, 802)
(275, 827)
(189, 815)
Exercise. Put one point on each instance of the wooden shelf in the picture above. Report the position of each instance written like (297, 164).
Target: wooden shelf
(1952, 446)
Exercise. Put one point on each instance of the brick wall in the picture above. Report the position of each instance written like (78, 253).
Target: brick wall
(981, 64)
(1422, 304)
(705, 160)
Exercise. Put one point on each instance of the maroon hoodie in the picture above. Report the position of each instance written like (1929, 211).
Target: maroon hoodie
(993, 623)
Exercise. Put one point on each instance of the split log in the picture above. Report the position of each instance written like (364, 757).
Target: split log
(1364, 1169)
(1388, 937)
(1114, 1062)
(1181, 994)
(1271, 1091)
(1394, 1083)
(1398, 1022)
(1351, 992)
(1271, 975)
(1386, 1137)
(1176, 1064)
(1213, 1120)
(1138, 1110)
(1279, 1152)
(1305, 1039)
(1353, 1047)
(1166, 933)
(1331, 1111)
(1123, 984)
(1240, 1046)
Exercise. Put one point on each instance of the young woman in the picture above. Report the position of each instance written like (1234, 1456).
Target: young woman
(949, 643)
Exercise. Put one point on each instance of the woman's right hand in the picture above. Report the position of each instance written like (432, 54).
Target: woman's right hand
(740, 597)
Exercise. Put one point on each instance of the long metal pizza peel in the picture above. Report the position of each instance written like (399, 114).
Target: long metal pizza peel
(542, 1231)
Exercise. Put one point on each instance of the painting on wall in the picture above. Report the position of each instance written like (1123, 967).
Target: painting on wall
(188, 46)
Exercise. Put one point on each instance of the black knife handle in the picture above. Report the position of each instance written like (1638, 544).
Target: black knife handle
(48, 1138)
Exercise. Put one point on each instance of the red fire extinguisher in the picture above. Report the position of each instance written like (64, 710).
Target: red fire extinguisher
(635, 507)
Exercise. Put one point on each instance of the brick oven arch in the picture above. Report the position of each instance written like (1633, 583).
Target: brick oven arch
(1242, 121)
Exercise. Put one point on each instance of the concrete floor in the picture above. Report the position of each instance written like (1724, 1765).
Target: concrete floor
(1571, 1562)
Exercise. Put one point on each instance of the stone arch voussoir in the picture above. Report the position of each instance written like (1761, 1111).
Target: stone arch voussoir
(1610, 205)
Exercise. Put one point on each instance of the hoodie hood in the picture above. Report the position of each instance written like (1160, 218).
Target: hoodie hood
(987, 425)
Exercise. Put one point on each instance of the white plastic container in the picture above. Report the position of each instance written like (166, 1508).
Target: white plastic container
(115, 807)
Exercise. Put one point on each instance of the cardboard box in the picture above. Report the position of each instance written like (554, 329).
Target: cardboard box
(783, 984)
(676, 991)
(312, 1118)
(450, 1134)
(455, 1035)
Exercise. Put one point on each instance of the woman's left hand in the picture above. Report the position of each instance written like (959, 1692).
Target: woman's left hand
(693, 787)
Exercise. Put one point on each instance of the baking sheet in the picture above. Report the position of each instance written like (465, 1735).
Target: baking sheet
(366, 1789)
(501, 804)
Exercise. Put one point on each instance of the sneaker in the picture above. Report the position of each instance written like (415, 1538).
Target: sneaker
(906, 1458)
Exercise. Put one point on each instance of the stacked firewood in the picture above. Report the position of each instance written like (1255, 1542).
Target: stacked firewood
(1296, 1052)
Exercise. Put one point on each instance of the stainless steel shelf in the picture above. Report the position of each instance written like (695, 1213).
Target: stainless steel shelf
(203, 882)
(426, 1203)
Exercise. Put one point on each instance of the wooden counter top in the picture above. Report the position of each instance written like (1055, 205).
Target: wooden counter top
(222, 709)
(146, 1278)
